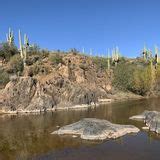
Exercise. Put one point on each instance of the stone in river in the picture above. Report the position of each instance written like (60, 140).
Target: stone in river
(96, 129)
(151, 119)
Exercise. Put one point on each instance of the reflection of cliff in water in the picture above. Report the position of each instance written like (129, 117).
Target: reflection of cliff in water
(23, 136)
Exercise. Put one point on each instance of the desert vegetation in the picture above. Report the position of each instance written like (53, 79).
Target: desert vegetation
(138, 75)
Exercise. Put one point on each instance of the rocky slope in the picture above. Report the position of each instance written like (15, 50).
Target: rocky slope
(76, 80)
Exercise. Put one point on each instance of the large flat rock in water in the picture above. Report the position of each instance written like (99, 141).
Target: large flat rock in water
(96, 129)
(151, 119)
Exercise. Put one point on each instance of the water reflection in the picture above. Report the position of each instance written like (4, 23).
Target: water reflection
(28, 136)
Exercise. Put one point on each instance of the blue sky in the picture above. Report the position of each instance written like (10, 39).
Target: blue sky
(96, 24)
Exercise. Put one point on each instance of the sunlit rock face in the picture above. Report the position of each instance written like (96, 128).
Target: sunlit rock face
(76, 81)
(96, 129)
(151, 119)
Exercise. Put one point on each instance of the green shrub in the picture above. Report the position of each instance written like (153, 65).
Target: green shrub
(133, 78)
(100, 62)
(33, 70)
(84, 66)
(4, 77)
(16, 64)
(123, 76)
(38, 69)
(7, 51)
(34, 49)
(74, 51)
(31, 59)
(44, 53)
(55, 59)
(142, 80)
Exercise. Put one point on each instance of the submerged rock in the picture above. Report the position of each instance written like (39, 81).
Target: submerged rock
(151, 119)
(145, 128)
(96, 129)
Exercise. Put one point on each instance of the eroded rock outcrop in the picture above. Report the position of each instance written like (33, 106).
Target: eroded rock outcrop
(74, 82)
(151, 119)
(96, 129)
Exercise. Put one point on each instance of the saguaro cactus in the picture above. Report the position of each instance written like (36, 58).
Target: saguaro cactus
(91, 52)
(115, 55)
(23, 48)
(83, 50)
(156, 54)
(146, 53)
(108, 60)
(10, 37)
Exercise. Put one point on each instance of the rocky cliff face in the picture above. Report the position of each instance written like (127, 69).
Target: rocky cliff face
(75, 81)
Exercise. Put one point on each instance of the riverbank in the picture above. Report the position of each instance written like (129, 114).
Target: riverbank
(73, 83)
(118, 97)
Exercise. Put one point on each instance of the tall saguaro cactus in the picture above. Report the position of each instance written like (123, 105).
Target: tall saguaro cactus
(156, 54)
(23, 48)
(83, 50)
(146, 53)
(10, 37)
(90, 52)
(115, 55)
(108, 60)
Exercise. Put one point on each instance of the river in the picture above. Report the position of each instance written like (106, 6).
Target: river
(25, 137)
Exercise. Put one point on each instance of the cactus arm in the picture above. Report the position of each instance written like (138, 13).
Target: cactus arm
(90, 52)
(20, 45)
(108, 60)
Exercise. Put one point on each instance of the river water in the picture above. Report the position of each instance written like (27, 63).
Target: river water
(25, 137)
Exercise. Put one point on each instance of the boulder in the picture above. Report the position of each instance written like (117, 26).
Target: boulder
(96, 129)
(151, 119)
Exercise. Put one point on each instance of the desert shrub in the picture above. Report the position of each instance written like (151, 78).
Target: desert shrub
(142, 80)
(38, 69)
(123, 76)
(34, 49)
(74, 51)
(31, 59)
(133, 78)
(44, 53)
(100, 62)
(4, 77)
(84, 66)
(16, 64)
(55, 59)
(122, 59)
(158, 72)
(7, 51)
(33, 70)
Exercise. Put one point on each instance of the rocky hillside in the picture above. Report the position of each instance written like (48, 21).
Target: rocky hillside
(57, 80)
(33, 79)
(47, 83)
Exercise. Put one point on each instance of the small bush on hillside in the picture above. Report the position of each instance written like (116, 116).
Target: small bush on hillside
(33, 70)
(44, 53)
(35, 49)
(55, 59)
(7, 51)
(74, 51)
(84, 67)
(4, 77)
(31, 59)
(16, 64)
(38, 69)
(100, 62)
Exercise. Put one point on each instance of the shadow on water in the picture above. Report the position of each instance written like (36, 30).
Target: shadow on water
(28, 136)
